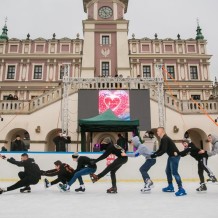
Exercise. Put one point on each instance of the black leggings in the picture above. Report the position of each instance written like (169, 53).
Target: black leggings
(113, 167)
(24, 181)
(202, 165)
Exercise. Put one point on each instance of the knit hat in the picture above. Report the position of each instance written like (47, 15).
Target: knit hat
(106, 140)
(187, 140)
(57, 163)
(75, 155)
(136, 141)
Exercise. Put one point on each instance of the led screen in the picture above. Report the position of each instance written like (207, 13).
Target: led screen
(116, 100)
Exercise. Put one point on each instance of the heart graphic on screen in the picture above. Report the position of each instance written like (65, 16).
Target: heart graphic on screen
(112, 102)
(117, 101)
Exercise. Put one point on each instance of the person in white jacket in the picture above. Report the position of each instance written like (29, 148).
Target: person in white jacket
(149, 162)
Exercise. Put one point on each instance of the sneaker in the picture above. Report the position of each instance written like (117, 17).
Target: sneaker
(47, 184)
(25, 190)
(2, 190)
(94, 177)
(169, 188)
(202, 188)
(181, 192)
(80, 189)
(112, 190)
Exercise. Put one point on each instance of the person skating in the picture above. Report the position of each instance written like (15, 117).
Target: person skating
(149, 162)
(191, 149)
(84, 167)
(168, 146)
(30, 176)
(213, 139)
(64, 173)
(113, 167)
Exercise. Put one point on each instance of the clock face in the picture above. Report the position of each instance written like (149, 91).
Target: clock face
(105, 12)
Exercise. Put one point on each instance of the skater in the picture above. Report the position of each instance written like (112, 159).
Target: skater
(191, 149)
(149, 162)
(84, 167)
(113, 167)
(213, 139)
(64, 173)
(168, 146)
(18, 144)
(121, 141)
(30, 176)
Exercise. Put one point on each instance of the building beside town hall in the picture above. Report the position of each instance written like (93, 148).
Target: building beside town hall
(104, 58)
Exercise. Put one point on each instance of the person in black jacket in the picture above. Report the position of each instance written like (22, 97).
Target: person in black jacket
(63, 172)
(84, 167)
(113, 167)
(30, 176)
(191, 149)
(18, 144)
(168, 146)
(60, 141)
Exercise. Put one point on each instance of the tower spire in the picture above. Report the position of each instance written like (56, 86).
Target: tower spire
(199, 35)
(4, 34)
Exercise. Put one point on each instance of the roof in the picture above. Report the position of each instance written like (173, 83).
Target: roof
(107, 122)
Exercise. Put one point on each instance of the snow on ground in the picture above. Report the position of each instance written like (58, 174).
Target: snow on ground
(95, 202)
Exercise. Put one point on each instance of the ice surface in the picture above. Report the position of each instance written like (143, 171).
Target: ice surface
(95, 202)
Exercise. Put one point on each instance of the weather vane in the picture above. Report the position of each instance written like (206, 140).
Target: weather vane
(197, 21)
(6, 19)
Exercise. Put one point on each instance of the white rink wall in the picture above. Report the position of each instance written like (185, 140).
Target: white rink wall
(128, 172)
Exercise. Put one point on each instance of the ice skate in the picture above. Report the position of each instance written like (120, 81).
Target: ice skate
(47, 184)
(202, 188)
(80, 189)
(180, 192)
(112, 190)
(169, 188)
(212, 179)
(25, 190)
(2, 190)
(94, 177)
(145, 189)
(60, 185)
(64, 187)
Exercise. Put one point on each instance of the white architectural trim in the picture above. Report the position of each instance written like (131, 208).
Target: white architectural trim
(115, 8)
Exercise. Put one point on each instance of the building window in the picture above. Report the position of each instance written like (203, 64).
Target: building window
(194, 72)
(39, 48)
(61, 72)
(171, 72)
(37, 72)
(105, 69)
(105, 40)
(196, 97)
(11, 72)
(146, 71)
(168, 48)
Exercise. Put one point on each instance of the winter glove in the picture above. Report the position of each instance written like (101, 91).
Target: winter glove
(153, 156)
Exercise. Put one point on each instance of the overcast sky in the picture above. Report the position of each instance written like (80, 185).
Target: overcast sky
(167, 18)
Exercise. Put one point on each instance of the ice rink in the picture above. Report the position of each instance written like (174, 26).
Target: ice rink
(95, 202)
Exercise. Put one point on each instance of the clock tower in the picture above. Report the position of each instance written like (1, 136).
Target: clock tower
(105, 51)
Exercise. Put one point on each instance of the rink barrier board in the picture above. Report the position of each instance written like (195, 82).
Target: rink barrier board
(129, 172)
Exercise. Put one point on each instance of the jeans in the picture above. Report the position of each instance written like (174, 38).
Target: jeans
(146, 167)
(172, 170)
(79, 174)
